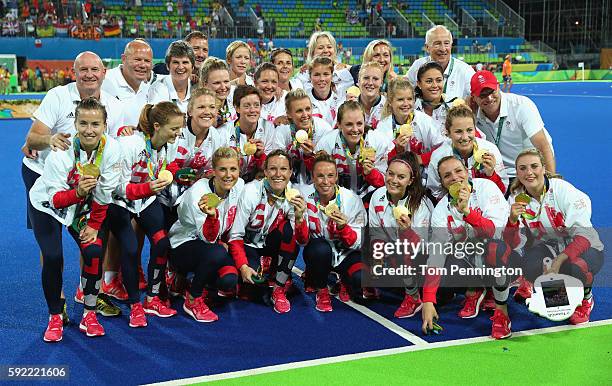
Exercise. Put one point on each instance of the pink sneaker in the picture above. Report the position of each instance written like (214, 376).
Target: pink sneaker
(471, 304)
(137, 316)
(583, 312)
(90, 326)
(409, 307)
(55, 329)
(501, 325)
(281, 304)
(323, 301)
(198, 310)
(115, 289)
(158, 308)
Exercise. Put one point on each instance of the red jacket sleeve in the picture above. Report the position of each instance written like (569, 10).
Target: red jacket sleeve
(483, 226)
(66, 198)
(236, 249)
(511, 234)
(347, 235)
(174, 167)
(138, 191)
(210, 228)
(301, 232)
(577, 247)
(259, 161)
(97, 215)
(309, 161)
(426, 157)
(375, 178)
(430, 288)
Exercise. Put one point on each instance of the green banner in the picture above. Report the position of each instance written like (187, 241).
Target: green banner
(544, 76)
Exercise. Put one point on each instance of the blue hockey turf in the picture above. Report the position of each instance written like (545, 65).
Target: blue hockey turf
(250, 335)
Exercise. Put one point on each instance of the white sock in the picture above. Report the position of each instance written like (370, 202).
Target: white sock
(109, 276)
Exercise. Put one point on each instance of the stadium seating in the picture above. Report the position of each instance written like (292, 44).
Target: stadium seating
(433, 9)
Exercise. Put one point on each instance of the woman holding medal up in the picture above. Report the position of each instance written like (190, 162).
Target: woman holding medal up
(206, 214)
(401, 210)
(269, 220)
(481, 157)
(410, 130)
(335, 217)
(144, 176)
(550, 217)
(301, 135)
(75, 190)
(361, 159)
(250, 134)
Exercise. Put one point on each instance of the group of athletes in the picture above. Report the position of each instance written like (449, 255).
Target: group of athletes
(229, 172)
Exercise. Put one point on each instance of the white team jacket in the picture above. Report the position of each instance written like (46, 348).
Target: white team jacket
(425, 137)
(327, 109)
(60, 174)
(191, 219)
(433, 179)
(135, 170)
(566, 214)
(255, 216)
(319, 225)
(350, 172)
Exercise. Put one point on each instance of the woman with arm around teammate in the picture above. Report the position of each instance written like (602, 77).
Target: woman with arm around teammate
(75, 190)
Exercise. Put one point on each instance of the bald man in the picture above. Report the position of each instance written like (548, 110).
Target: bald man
(457, 73)
(130, 81)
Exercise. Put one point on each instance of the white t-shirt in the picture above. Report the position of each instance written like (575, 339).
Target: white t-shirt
(56, 111)
(133, 101)
(164, 91)
(520, 120)
(457, 76)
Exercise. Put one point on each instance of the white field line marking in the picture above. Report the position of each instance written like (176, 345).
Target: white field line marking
(373, 354)
(410, 337)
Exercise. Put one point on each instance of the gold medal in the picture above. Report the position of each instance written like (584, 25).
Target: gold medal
(331, 208)
(301, 136)
(523, 197)
(399, 211)
(367, 153)
(249, 148)
(353, 91)
(213, 200)
(165, 175)
(91, 170)
(406, 129)
(291, 193)
(478, 153)
(454, 189)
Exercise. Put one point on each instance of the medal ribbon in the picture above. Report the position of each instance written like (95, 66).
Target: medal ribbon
(153, 171)
(346, 149)
(98, 153)
(317, 199)
(537, 215)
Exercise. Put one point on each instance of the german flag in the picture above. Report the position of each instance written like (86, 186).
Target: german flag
(112, 30)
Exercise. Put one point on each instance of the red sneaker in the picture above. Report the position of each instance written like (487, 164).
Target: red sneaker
(227, 294)
(137, 316)
(115, 289)
(158, 308)
(198, 310)
(488, 303)
(343, 293)
(281, 304)
(323, 301)
(79, 296)
(583, 312)
(409, 307)
(471, 304)
(501, 325)
(142, 282)
(55, 329)
(90, 326)
(524, 291)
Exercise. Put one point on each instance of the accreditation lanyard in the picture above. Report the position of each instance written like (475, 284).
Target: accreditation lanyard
(153, 171)
(447, 76)
(500, 127)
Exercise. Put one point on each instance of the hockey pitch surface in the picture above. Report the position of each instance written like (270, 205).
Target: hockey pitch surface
(251, 344)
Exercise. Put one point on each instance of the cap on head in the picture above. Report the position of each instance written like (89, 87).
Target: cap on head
(481, 80)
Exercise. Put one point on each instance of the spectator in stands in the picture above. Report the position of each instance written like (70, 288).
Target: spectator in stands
(507, 73)
(457, 73)
(489, 46)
